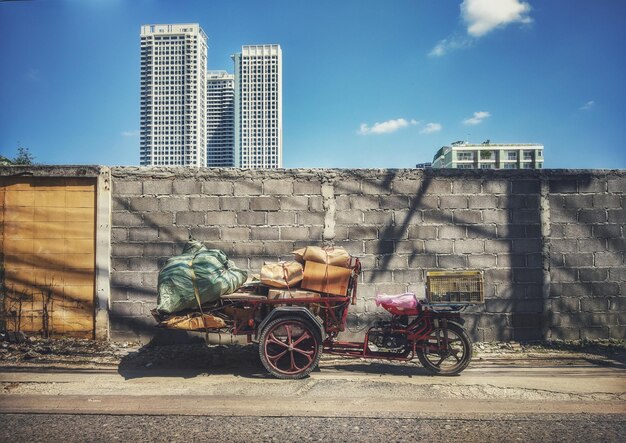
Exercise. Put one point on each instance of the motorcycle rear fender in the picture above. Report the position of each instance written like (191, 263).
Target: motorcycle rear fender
(292, 310)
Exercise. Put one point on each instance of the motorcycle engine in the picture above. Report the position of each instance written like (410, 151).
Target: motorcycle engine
(385, 341)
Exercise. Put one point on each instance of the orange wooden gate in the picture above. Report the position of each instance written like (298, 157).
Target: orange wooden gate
(47, 242)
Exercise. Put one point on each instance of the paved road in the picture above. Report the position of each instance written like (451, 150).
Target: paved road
(491, 401)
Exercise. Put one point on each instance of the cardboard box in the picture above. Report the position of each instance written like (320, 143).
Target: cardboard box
(326, 278)
(284, 294)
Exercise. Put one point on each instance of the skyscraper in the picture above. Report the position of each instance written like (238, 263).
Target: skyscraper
(173, 95)
(220, 119)
(258, 107)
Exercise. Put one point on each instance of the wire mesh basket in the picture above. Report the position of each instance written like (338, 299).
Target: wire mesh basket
(458, 287)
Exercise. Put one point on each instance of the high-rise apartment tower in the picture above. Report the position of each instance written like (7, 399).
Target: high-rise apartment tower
(173, 95)
(258, 107)
(220, 119)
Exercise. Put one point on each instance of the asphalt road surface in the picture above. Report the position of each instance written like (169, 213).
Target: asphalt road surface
(524, 398)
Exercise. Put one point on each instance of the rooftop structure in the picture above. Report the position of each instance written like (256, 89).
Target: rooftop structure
(487, 155)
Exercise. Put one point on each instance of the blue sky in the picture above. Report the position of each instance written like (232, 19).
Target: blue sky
(380, 84)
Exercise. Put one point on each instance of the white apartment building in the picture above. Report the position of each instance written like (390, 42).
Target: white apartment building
(220, 119)
(173, 95)
(487, 155)
(258, 107)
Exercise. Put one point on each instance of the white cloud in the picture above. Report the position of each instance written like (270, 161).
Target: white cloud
(590, 104)
(130, 133)
(448, 44)
(385, 127)
(482, 16)
(429, 128)
(477, 118)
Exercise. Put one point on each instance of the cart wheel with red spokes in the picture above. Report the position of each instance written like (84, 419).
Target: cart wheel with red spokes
(290, 347)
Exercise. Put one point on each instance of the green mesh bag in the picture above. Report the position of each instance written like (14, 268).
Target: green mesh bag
(209, 269)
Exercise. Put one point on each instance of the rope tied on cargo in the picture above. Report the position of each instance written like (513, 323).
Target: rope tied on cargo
(197, 294)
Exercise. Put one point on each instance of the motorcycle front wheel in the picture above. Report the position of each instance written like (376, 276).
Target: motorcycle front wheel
(439, 359)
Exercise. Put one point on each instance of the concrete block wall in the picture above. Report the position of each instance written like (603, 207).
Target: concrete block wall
(551, 243)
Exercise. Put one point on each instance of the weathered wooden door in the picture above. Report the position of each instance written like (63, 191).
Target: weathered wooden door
(47, 243)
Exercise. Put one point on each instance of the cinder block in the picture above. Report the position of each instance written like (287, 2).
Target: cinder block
(157, 187)
(406, 187)
(482, 201)
(574, 231)
(143, 203)
(407, 217)
(158, 218)
(557, 230)
(498, 276)
(452, 261)
(174, 234)
(281, 218)
(617, 274)
(617, 185)
(149, 280)
(383, 218)
(158, 250)
(423, 202)
(437, 216)
(364, 202)
(363, 232)
(466, 186)
(235, 234)
(609, 258)
(511, 231)
(527, 245)
(174, 204)
(375, 187)
(592, 216)
(353, 247)
(496, 186)
(535, 260)
(593, 274)
(563, 186)
(118, 203)
(422, 232)
(390, 288)
(616, 215)
(297, 203)
(496, 246)
(594, 185)
(607, 231)
(498, 216)
(594, 304)
(312, 187)
(248, 187)
(407, 277)
(204, 203)
(251, 218)
(316, 203)
(307, 218)
(347, 187)
(342, 203)
(565, 245)
(264, 204)
(525, 186)
(186, 187)
(453, 202)
(563, 215)
(423, 261)
(125, 250)
(563, 275)
(469, 246)
(528, 320)
(481, 231)
(316, 233)
(379, 247)
(616, 244)
(277, 249)
(126, 279)
(578, 201)
(410, 247)
(220, 218)
(591, 245)
(244, 249)
(574, 289)
(143, 234)
(451, 231)
(271, 233)
(394, 202)
(565, 305)
(277, 187)
(470, 216)
(349, 217)
(482, 261)
(617, 332)
(226, 246)
(126, 309)
(578, 259)
(294, 233)
(217, 187)
(525, 216)
(229, 203)
(126, 219)
(606, 201)
(123, 187)
(204, 233)
(528, 275)
(119, 235)
(377, 276)
(438, 246)
(190, 218)
(594, 333)
(436, 187)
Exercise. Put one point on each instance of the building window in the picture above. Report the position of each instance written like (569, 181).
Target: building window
(465, 156)
(510, 166)
(528, 155)
(511, 155)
